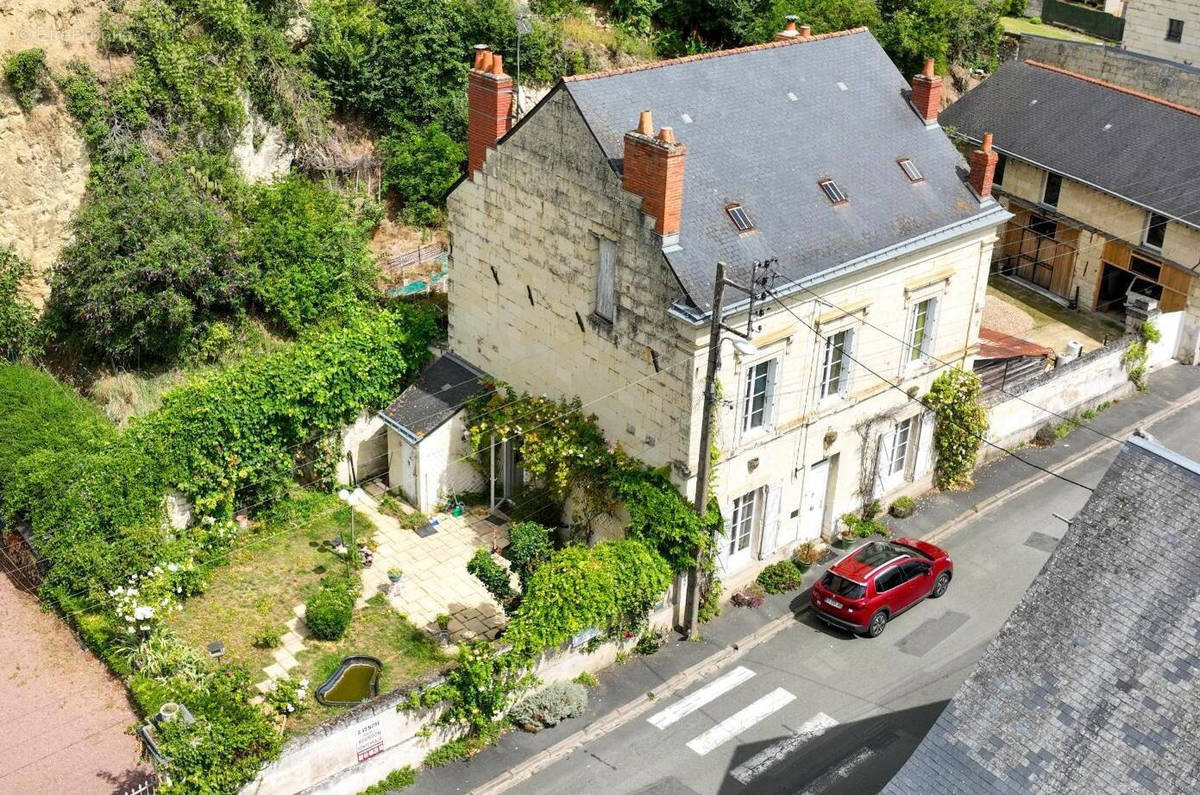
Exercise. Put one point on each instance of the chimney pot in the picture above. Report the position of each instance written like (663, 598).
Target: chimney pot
(666, 135)
(927, 93)
(489, 106)
(645, 123)
(983, 168)
(805, 31)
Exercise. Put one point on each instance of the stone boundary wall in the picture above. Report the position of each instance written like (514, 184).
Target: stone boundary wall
(1173, 82)
(1074, 387)
(362, 745)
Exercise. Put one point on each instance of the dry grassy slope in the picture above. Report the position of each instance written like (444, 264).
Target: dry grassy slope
(43, 161)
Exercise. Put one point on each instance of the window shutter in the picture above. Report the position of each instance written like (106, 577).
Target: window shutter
(771, 520)
(924, 445)
(606, 279)
(847, 362)
(930, 328)
(883, 460)
(772, 380)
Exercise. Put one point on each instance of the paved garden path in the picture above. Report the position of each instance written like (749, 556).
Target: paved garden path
(62, 715)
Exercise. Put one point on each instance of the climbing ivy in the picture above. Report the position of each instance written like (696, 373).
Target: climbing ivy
(1138, 353)
(961, 421)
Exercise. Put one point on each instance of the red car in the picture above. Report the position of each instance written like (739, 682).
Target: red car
(879, 580)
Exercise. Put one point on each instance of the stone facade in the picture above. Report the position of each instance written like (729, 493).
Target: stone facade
(1101, 222)
(526, 235)
(1146, 27)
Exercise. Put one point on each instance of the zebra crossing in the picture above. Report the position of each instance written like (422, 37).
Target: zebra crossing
(731, 725)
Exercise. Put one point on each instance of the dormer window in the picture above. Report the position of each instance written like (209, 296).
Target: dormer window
(910, 170)
(832, 191)
(740, 218)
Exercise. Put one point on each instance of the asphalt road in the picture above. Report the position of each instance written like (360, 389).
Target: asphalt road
(820, 712)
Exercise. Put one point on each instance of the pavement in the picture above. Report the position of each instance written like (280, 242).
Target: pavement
(772, 701)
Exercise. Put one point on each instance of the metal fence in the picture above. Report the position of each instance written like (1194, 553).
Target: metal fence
(1082, 18)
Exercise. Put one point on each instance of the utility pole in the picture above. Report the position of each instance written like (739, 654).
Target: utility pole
(704, 461)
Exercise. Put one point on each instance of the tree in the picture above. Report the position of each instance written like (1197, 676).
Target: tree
(421, 166)
(19, 332)
(963, 32)
(823, 16)
(28, 77)
(308, 248)
(153, 261)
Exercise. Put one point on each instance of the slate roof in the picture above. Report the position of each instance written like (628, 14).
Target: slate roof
(1091, 685)
(436, 396)
(1121, 142)
(766, 124)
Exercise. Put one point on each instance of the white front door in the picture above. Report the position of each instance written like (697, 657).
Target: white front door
(740, 530)
(812, 508)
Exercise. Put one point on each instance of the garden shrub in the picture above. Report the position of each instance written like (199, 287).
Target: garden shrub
(476, 693)
(650, 641)
(807, 554)
(780, 577)
(549, 706)
(19, 331)
(956, 399)
(268, 637)
(753, 595)
(611, 586)
(396, 780)
(288, 696)
(328, 612)
(309, 246)
(529, 545)
(419, 167)
(493, 576)
(1138, 353)
(28, 77)
(903, 507)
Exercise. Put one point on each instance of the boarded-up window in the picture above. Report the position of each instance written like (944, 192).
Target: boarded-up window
(606, 279)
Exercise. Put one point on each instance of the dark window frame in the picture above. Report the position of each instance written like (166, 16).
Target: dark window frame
(736, 212)
(998, 174)
(833, 192)
(1156, 226)
(1175, 30)
(1055, 180)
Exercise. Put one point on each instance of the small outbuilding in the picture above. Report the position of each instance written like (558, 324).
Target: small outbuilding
(428, 452)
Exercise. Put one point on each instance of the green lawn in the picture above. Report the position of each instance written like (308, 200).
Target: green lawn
(278, 566)
(1019, 25)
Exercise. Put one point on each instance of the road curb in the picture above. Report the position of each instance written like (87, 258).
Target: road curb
(689, 676)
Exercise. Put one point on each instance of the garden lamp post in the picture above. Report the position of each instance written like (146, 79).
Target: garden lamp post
(353, 499)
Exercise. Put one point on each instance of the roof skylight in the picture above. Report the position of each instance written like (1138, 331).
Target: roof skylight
(832, 191)
(739, 217)
(910, 170)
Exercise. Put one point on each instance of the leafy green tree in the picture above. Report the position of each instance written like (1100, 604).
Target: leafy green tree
(963, 32)
(19, 331)
(308, 247)
(716, 23)
(961, 421)
(153, 261)
(421, 166)
(822, 16)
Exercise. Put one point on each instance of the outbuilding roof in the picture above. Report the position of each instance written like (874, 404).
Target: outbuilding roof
(440, 392)
(1091, 684)
(763, 127)
(1131, 145)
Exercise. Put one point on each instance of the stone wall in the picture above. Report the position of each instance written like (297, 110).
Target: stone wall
(1146, 29)
(1173, 82)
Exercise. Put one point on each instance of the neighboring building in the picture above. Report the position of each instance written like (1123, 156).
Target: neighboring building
(1101, 181)
(1163, 28)
(1091, 684)
(585, 240)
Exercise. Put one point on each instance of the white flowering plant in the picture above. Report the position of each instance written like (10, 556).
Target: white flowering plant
(289, 696)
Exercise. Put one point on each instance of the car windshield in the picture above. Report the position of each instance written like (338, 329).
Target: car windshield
(843, 587)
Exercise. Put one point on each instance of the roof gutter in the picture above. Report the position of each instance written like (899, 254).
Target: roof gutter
(994, 215)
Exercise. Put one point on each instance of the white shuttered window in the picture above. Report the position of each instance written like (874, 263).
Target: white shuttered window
(606, 280)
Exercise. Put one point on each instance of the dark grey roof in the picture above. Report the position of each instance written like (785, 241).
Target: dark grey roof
(768, 123)
(1091, 685)
(1133, 147)
(437, 395)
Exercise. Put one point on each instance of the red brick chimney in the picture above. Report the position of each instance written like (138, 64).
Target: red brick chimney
(489, 106)
(654, 171)
(927, 93)
(789, 31)
(983, 167)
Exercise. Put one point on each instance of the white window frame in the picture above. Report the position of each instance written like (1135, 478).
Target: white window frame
(1146, 231)
(750, 377)
(914, 354)
(743, 514)
(825, 362)
(605, 306)
(900, 456)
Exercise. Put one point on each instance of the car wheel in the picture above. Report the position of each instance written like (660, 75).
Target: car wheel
(877, 623)
(939, 587)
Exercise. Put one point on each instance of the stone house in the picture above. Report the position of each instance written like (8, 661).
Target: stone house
(1167, 29)
(1100, 180)
(584, 242)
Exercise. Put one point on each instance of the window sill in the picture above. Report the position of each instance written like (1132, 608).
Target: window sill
(601, 324)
